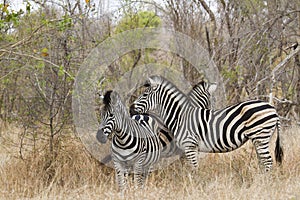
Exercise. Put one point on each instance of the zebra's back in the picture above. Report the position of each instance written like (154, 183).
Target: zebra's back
(227, 129)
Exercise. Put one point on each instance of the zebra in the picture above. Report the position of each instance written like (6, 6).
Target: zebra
(199, 96)
(201, 93)
(134, 146)
(212, 131)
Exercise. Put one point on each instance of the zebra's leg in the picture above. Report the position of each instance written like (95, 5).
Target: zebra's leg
(139, 173)
(143, 177)
(263, 153)
(120, 176)
(139, 176)
(191, 152)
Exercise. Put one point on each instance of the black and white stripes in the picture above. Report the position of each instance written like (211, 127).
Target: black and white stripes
(199, 96)
(211, 131)
(134, 146)
(182, 124)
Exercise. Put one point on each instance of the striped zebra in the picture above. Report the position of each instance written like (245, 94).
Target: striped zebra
(199, 97)
(134, 147)
(224, 130)
(201, 93)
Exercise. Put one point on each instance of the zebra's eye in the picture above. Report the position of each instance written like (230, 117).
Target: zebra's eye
(145, 94)
(147, 91)
(147, 85)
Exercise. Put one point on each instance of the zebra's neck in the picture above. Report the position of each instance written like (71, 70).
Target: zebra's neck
(124, 124)
(125, 130)
(172, 105)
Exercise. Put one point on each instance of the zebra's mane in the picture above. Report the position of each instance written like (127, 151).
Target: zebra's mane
(198, 90)
(160, 80)
(199, 84)
(107, 100)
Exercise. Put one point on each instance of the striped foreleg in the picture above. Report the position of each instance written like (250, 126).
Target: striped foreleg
(191, 152)
(121, 176)
(140, 173)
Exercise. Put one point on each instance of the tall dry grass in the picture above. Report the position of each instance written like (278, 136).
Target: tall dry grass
(74, 174)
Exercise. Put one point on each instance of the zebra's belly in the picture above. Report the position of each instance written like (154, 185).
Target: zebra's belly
(217, 148)
(125, 154)
(218, 140)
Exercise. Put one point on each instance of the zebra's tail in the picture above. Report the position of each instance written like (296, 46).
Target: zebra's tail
(278, 148)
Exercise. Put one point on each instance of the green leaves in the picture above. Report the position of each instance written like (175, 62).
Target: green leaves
(138, 20)
(10, 18)
(65, 23)
(39, 66)
(61, 71)
(232, 75)
(44, 52)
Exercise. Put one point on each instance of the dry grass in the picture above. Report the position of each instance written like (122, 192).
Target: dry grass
(75, 175)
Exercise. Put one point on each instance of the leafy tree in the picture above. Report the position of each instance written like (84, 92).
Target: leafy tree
(140, 19)
(133, 20)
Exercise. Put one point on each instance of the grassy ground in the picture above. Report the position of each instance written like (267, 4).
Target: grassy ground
(75, 175)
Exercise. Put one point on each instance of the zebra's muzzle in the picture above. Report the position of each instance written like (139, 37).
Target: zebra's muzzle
(135, 109)
(101, 137)
(132, 110)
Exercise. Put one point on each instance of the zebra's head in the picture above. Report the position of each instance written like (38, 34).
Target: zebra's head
(148, 100)
(205, 88)
(200, 95)
(108, 119)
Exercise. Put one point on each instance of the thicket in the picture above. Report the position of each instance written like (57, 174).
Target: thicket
(253, 43)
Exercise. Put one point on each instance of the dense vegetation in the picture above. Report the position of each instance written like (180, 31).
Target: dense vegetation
(253, 43)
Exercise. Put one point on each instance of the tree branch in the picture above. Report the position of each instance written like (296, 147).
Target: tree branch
(36, 58)
(280, 65)
(209, 12)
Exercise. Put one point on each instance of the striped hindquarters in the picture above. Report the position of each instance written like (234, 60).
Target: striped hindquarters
(227, 129)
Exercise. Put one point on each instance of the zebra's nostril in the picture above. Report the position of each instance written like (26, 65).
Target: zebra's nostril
(100, 136)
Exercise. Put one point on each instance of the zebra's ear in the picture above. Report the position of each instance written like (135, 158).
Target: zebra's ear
(212, 87)
(153, 82)
(114, 97)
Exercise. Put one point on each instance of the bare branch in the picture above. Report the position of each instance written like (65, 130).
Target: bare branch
(37, 58)
(280, 65)
(209, 12)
